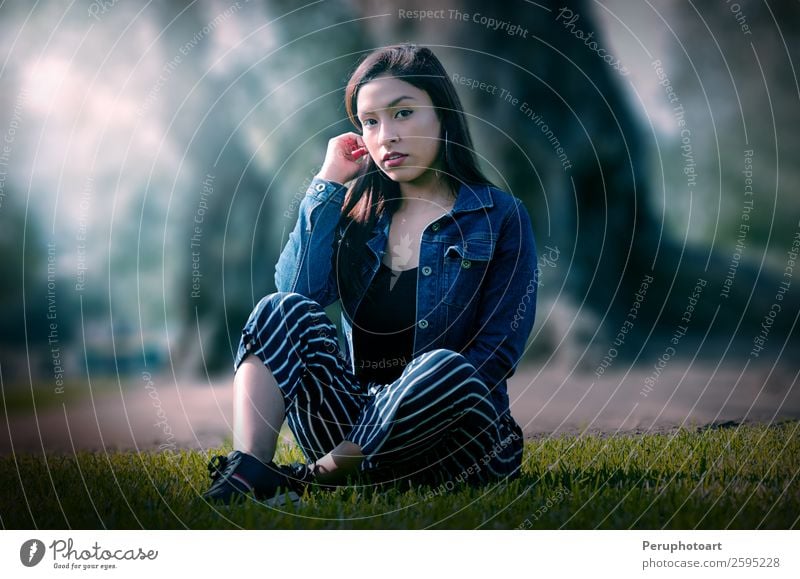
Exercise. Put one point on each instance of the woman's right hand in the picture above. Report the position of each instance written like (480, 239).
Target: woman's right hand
(344, 158)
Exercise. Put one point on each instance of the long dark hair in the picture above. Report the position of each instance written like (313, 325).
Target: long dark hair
(373, 192)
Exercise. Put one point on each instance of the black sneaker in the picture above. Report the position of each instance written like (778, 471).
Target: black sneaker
(298, 476)
(239, 474)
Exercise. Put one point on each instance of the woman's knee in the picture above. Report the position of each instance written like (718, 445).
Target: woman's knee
(444, 369)
(276, 326)
(279, 309)
(285, 301)
(443, 357)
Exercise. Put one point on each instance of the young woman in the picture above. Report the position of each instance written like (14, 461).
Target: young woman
(435, 268)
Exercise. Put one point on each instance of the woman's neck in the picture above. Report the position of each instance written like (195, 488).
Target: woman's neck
(423, 196)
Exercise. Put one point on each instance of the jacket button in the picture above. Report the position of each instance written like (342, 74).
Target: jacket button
(320, 187)
(423, 324)
(466, 263)
(248, 346)
(426, 270)
(435, 226)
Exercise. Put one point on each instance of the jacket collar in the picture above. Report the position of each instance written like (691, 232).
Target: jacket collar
(471, 197)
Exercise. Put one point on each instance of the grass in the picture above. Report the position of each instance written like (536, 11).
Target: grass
(740, 478)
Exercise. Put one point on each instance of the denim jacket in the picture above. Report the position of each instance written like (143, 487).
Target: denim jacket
(477, 277)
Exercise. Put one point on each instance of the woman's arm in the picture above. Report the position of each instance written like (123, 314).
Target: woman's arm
(305, 265)
(507, 306)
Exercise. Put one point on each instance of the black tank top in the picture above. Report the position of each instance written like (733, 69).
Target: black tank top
(383, 332)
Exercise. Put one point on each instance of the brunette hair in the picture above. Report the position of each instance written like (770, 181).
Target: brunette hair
(373, 192)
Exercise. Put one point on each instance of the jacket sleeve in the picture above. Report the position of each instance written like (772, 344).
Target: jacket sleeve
(507, 301)
(305, 265)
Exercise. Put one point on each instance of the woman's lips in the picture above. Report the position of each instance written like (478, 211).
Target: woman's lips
(395, 161)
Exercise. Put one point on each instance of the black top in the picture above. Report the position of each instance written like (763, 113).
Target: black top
(383, 329)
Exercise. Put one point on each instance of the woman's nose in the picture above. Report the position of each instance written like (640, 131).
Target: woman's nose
(388, 134)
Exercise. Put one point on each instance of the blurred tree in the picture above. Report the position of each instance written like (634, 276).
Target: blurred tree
(259, 123)
(740, 91)
(23, 293)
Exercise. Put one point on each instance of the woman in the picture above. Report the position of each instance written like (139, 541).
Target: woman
(436, 271)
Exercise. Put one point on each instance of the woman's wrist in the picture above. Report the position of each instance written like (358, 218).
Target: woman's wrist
(331, 176)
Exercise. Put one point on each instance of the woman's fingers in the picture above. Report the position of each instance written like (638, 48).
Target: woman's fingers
(355, 140)
(355, 145)
(343, 158)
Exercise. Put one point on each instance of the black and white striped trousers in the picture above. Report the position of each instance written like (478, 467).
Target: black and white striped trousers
(434, 423)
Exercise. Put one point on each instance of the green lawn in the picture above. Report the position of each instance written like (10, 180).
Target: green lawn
(741, 477)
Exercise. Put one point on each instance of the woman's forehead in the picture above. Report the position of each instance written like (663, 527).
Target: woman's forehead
(385, 92)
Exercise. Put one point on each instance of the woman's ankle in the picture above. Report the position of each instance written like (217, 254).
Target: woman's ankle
(335, 467)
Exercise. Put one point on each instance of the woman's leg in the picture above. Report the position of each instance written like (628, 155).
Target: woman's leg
(258, 410)
(436, 421)
(289, 364)
(343, 461)
(258, 413)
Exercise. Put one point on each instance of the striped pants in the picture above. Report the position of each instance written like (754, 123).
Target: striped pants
(434, 423)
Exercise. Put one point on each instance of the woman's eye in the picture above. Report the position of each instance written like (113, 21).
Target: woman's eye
(366, 122)
(405, 111)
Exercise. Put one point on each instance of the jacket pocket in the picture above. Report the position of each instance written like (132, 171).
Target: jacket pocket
(465, 265)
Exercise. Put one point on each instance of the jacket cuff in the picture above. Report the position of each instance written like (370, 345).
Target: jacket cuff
(324, 190)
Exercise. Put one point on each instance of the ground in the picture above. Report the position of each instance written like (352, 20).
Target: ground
(710, 448)
(153, 412)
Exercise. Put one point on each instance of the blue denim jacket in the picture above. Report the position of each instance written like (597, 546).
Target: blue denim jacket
(477, 277)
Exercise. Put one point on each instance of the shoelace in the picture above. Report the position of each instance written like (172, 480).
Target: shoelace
(304, 473)
(300, 475)
(218, 466)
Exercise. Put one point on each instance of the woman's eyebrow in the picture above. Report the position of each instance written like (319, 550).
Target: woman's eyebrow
(391, 104)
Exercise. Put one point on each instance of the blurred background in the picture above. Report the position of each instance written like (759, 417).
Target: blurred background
(153, 157)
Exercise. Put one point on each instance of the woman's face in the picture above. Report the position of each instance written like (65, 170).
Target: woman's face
(397, 117)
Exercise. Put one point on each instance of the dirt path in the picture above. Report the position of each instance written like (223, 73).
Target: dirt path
(157, 413)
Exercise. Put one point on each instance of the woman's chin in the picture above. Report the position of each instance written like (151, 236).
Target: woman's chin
(405, 174)
(398, 175)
